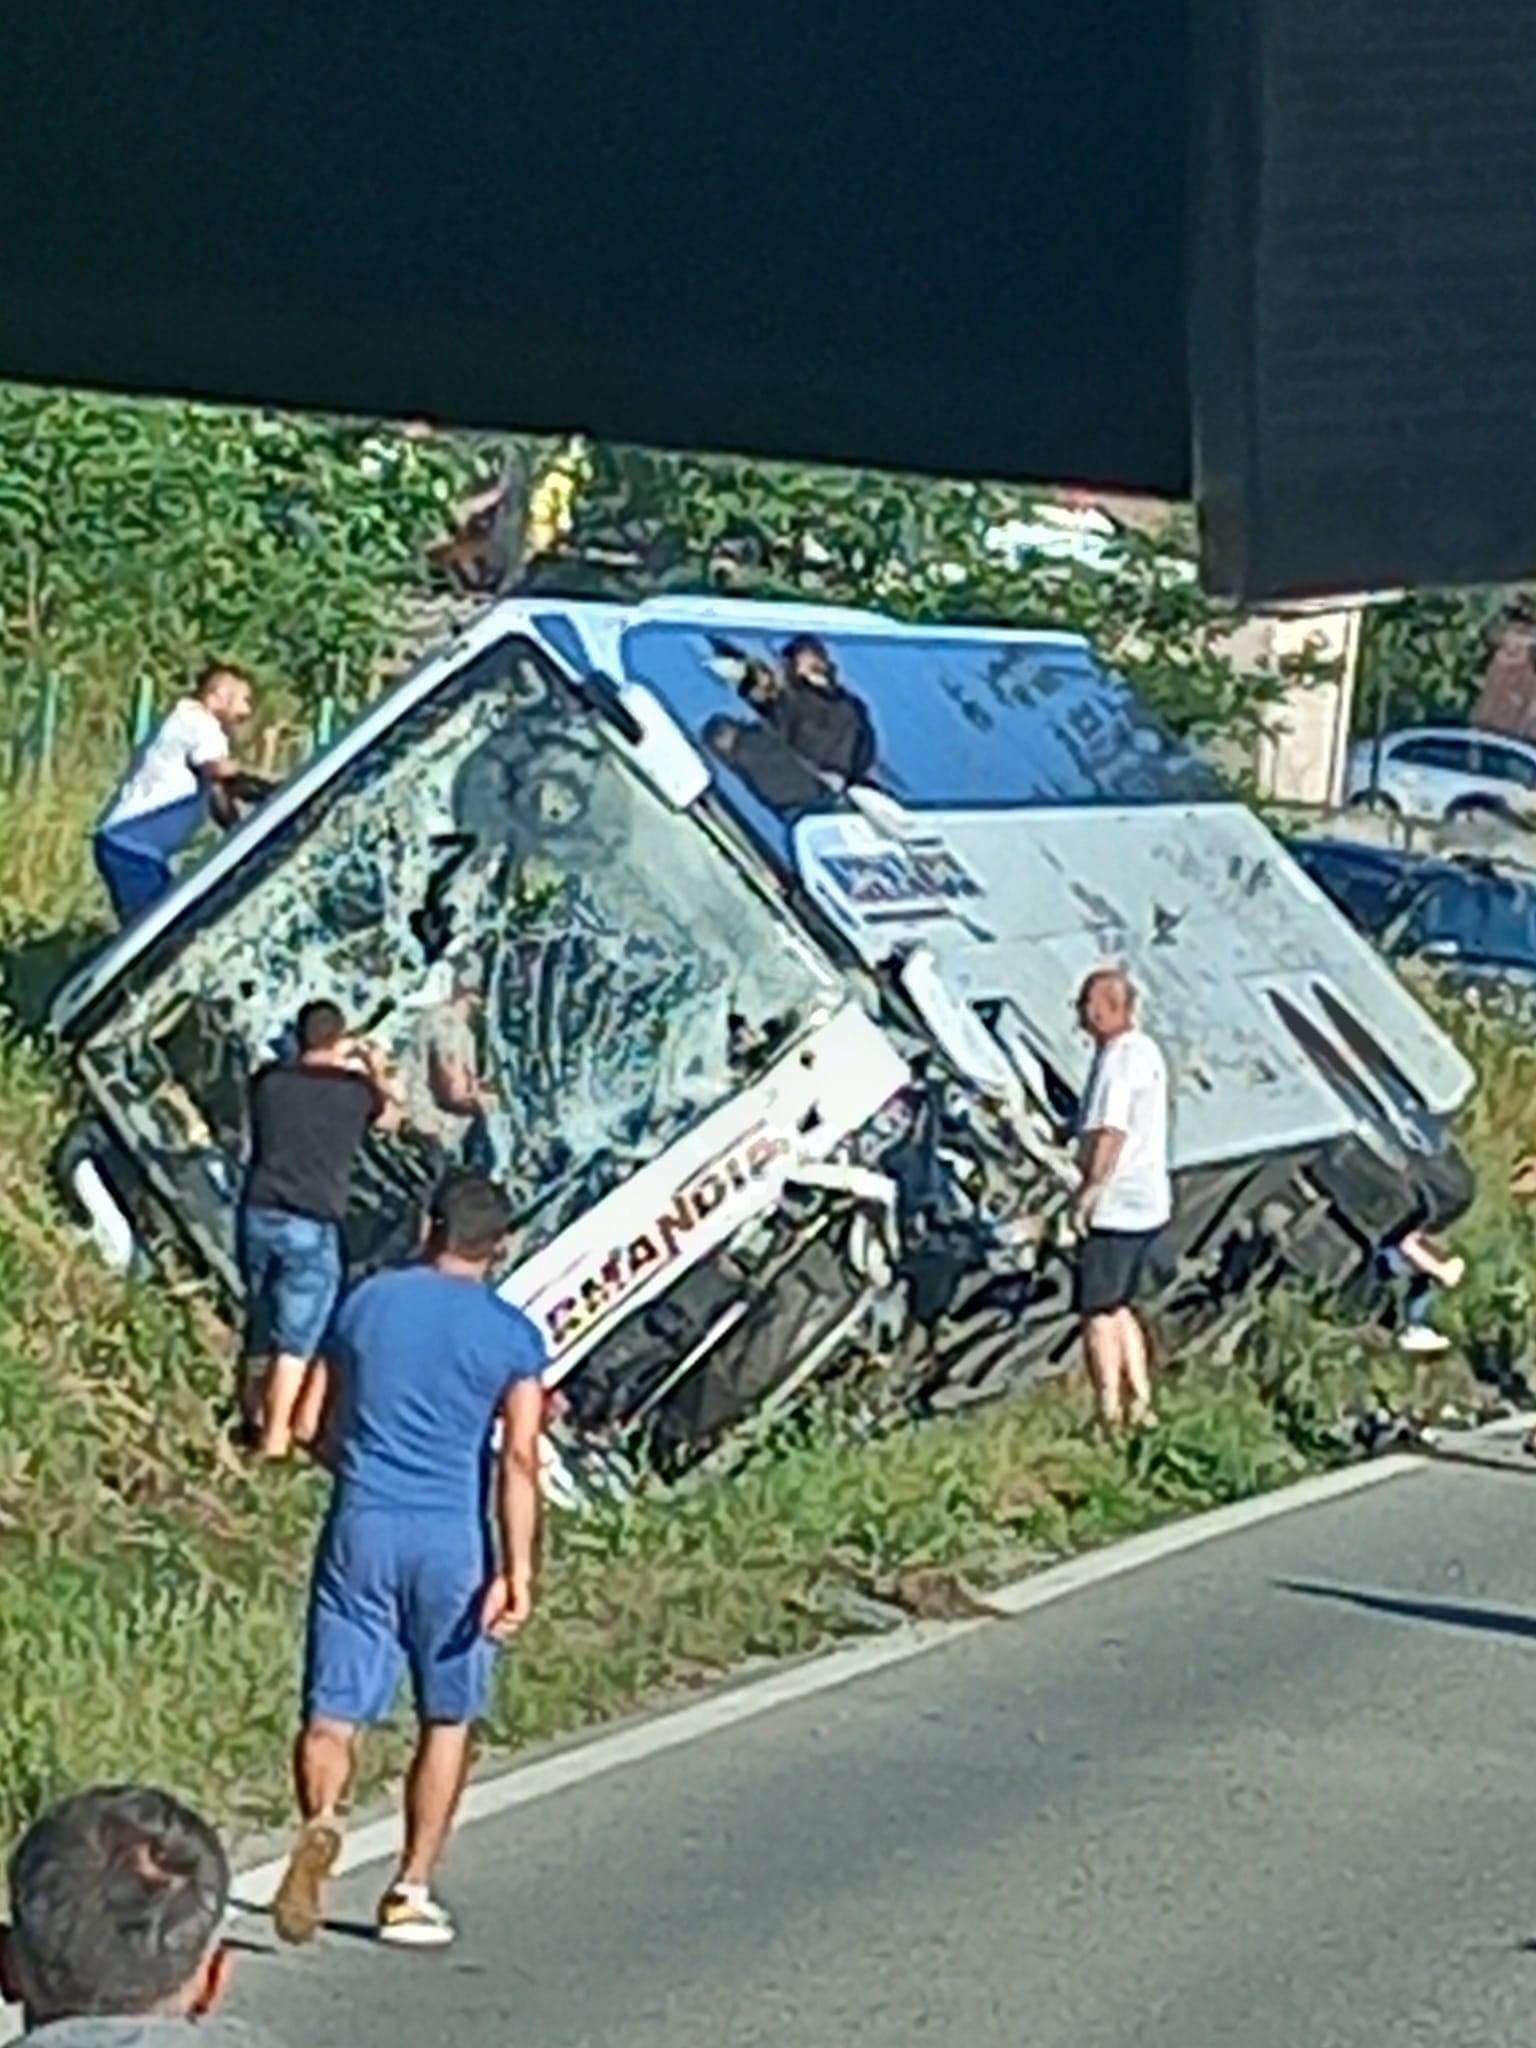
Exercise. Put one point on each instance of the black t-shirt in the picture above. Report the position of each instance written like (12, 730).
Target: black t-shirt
(306, 1126)
(828, 727)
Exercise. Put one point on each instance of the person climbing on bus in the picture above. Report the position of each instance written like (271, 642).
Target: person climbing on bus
(183, 771)
(825, 723)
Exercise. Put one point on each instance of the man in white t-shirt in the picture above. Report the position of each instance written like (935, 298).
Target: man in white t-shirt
(183, 770)
(1125, 1197)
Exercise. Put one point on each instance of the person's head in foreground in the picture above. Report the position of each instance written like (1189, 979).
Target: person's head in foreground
(1106, 1004)
(467, 1224)
(117, 1902)
(226, 692)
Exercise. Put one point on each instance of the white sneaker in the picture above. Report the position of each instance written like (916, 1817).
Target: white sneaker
(409, 1917)
(1420, 1339)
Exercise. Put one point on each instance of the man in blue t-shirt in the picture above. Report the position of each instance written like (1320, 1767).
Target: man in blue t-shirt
(425, 1361)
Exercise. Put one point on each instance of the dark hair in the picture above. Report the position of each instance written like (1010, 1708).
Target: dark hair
(210, 672)
(809, 643)
(117, 1896)
(320, 1026)
(470, 1216)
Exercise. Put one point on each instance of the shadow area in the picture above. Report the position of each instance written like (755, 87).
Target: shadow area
(1495, 1621)
(34, 965)
(347, 1930)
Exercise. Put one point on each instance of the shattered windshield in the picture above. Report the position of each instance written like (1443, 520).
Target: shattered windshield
(496, 901)
(937, 721)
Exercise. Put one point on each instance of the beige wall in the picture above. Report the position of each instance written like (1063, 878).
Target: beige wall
(1300, 758)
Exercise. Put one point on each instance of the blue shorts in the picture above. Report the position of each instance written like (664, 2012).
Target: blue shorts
(135, 876)
(292, 1271)
(392, 1593)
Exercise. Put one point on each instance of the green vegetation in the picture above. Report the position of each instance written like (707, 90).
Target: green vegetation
(152, 1589)
(1430, 653)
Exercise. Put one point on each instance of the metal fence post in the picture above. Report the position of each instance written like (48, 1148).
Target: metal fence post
(47, 727)
(142, 712)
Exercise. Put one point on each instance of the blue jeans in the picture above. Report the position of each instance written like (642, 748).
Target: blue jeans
(292, 1269)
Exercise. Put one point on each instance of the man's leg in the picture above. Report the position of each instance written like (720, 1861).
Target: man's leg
(279, 1398)
(450, 1661)
(1133, 1354)
(432, 1794)
(308, 1280)
(351, 1664)
(1102, 1348)
(309, 1415)
(322, 1769)
(323, 1760)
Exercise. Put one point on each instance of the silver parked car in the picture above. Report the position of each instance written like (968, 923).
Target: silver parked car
(1446, 771)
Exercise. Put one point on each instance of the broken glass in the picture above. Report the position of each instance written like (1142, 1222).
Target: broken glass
(490, 848)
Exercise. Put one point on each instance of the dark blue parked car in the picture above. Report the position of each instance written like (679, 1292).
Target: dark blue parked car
(1468, 918)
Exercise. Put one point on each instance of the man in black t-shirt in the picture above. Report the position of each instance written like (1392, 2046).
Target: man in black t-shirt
(824, 722)
(308, 1121)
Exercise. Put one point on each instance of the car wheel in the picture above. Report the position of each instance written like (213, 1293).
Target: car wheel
(1378, 800)
(1481, 807)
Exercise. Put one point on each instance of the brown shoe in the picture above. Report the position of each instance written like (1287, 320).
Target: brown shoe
(299, 1907)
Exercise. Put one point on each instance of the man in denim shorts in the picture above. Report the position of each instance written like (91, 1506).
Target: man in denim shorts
(308, 1119)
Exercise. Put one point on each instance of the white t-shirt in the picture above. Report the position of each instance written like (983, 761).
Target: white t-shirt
(163, 773)
(1128, 1091)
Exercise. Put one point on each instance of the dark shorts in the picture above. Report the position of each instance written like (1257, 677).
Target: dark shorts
(395, 1593)
(293, 1272)
(1109, 1269)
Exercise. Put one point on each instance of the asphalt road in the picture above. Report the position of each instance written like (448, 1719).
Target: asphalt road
(1278, 1790)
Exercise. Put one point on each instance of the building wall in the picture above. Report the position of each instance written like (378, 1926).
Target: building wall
(1300, 760)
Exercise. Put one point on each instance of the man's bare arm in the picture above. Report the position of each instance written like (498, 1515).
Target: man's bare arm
(389, 1115)
(455, 1088)
(517, 1504)
(217, 778)
(1098, 1159)
(228, 786)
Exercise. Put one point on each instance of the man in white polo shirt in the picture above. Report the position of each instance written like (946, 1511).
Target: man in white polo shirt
(182, 770)
(1125, 1197)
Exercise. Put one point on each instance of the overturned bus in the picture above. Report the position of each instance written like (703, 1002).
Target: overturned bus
(776, 916)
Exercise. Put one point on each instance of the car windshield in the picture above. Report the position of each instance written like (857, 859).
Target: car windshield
(937, 721)
(1480, 919)
(486, 889)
